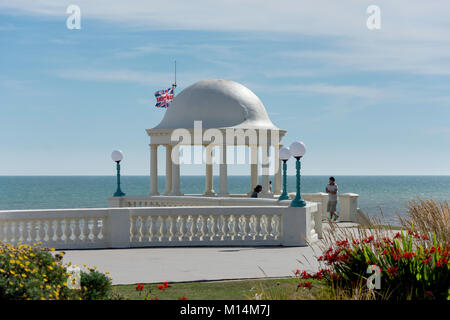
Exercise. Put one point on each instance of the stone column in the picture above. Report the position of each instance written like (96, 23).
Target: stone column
(253, 167)
(168, 169)
(277, 178)
(176, 172)
(223, 172)
(265, 170)
(154, 170)
(209, 191)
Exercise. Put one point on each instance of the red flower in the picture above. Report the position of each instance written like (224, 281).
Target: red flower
(297, 271)
(166, 285)
(183, 298)
(392, 271)
(139, 287)
(396, 257)
(160, 287)
(425, 237)
(305, 275)
(408, 255)
(307, 285)
(429, 293)
(397, 235)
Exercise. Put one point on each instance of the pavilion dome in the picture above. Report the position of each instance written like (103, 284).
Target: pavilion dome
(218, 103)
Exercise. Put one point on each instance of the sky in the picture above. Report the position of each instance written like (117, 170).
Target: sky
(364, 102)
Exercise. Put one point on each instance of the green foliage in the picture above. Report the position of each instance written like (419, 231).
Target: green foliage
(95, 285)
(32, 273)
(412, 267)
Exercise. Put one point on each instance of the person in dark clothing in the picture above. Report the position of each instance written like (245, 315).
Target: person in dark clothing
(257, 190)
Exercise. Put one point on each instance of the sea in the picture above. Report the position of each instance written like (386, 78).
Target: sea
(388, 195)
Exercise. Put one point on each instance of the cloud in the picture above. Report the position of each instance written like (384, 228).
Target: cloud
(128, 76)
(323, 89)
(413, 38)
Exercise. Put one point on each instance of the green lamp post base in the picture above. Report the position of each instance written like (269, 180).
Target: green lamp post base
(284, 195)
(118, 192)
(298, 203)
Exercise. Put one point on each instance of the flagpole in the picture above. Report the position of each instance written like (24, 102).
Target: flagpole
(174, 85)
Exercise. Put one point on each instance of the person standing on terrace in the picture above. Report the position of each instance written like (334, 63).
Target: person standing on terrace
(332, 190)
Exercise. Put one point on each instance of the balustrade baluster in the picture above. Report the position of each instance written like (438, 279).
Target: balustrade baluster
(196, 231)
(258, 228)
(164, 229)
(202, 227)
(12, 238)
(2, 232)
(185, 236)
(155, 229)
(226, 228)
(171, 229)
(189, 228)
(147, 229)
(269, 235)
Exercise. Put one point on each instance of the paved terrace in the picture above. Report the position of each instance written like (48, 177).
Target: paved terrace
(152, 265)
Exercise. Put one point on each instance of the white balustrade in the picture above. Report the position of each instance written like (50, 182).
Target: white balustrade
(161, 226)
(65, 228)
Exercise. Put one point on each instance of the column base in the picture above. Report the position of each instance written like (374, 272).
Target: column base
(267, 195)
(223, 195)
(176, 194)
(154, 194)
(209, 194)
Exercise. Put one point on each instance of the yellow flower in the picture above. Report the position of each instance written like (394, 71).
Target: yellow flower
(24, 275)
(106, 272)
(2, 271)
(50, 267)
(48, 287)
(42, 298)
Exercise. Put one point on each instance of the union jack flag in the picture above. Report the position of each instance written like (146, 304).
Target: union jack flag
(164, 98)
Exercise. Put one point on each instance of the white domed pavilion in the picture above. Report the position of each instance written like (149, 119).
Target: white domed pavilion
(219, 106)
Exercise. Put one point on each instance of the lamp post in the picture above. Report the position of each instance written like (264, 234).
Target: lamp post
(285, 154)
(117, 156)
(298, 150)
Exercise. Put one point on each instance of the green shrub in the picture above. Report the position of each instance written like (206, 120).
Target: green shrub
(32, 273)
(412, 266)
(95, 285)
